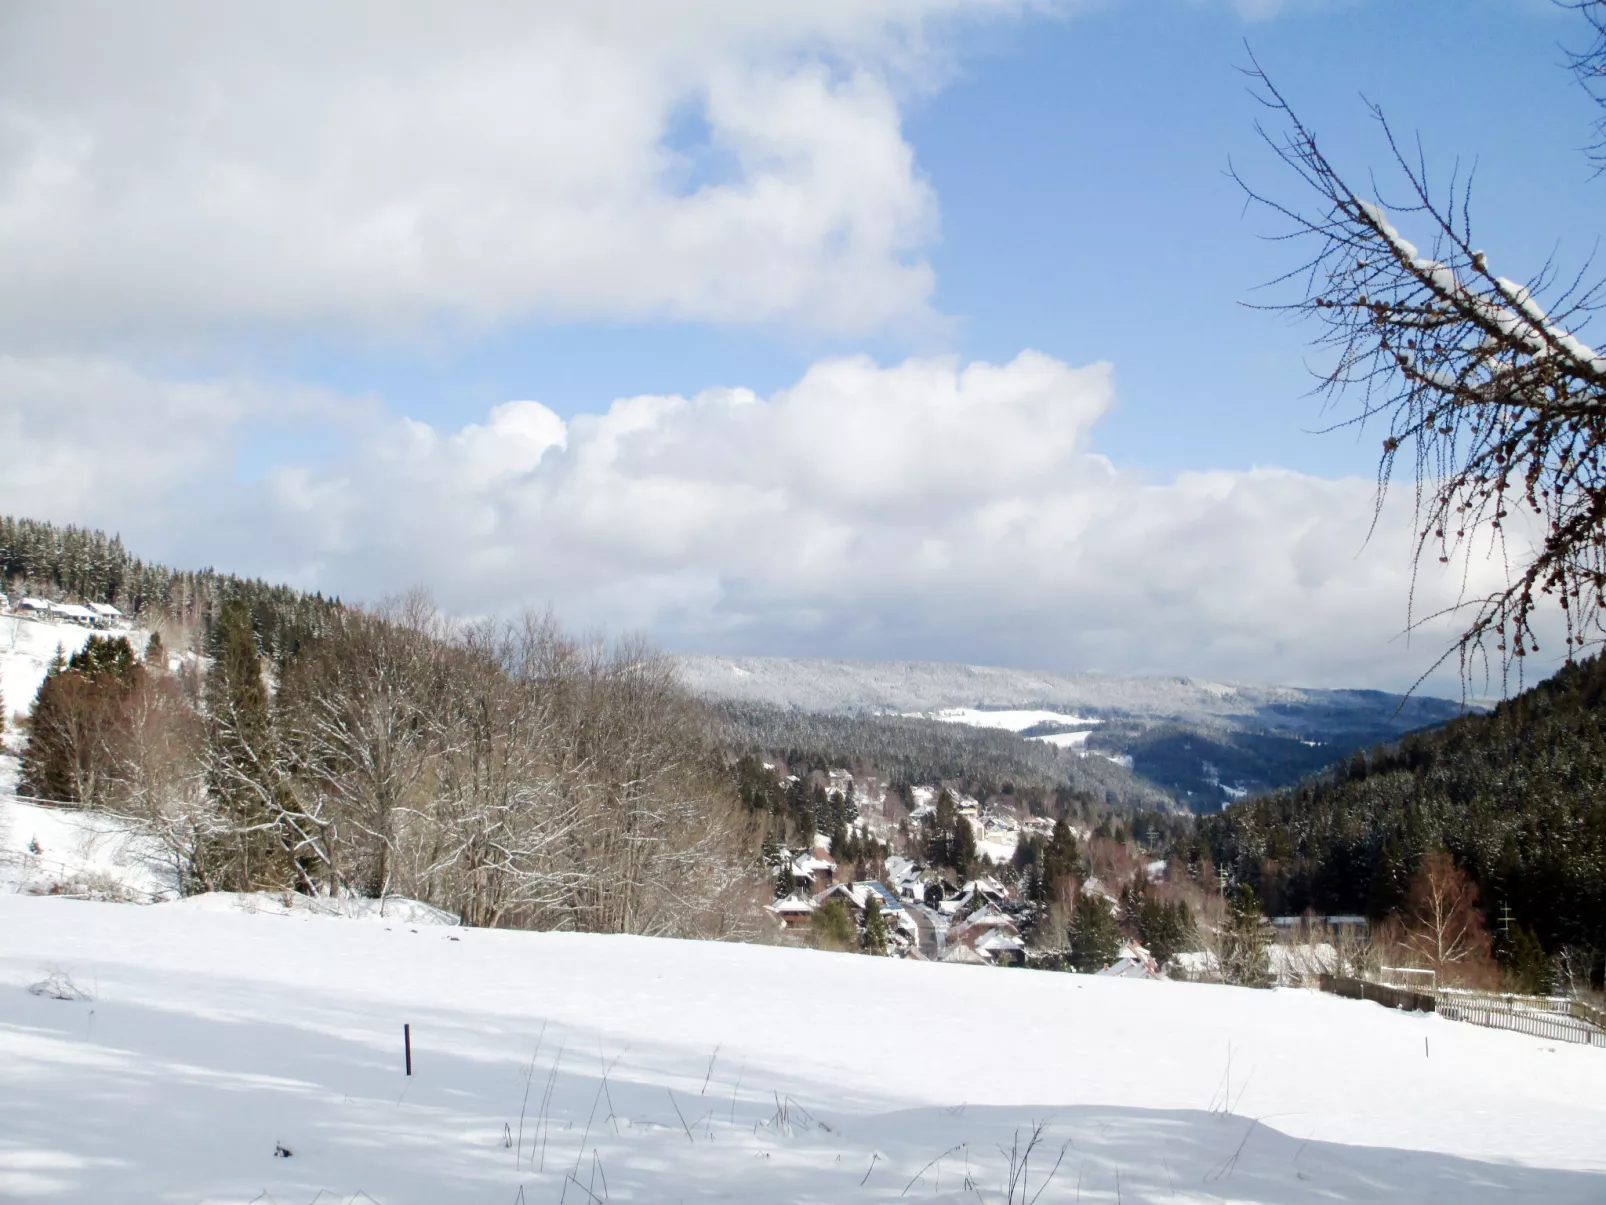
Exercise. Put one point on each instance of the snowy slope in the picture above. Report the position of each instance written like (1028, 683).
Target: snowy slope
(58, 850)
(734, 1073)
(1011, 720)
(26, 647)
(930, 686)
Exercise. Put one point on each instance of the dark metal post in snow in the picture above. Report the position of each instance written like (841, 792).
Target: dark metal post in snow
(407, 1045)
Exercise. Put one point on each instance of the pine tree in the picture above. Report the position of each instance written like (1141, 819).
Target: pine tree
(1095, 936)
(77, 725)
(241, 778)
(832, 926)
(1061, 858)
(1527, 966)
(1245, 941)
(875, 925)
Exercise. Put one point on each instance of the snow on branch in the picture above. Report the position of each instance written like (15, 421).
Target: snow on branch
(1496, 398)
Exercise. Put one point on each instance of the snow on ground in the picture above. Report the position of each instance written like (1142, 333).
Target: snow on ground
(393, 909)
(26, 647)
(656, 1071)
(61, 851)
(1009, 721)
(1064, 740)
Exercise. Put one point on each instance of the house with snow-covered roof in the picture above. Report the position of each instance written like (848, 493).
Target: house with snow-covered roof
(105, 614)
(72, 613)
(793, 912)
(810, 872)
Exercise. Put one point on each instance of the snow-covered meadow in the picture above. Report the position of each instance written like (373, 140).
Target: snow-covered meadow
(562, 1067)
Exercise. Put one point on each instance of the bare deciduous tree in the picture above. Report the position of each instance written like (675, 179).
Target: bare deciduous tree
(1484, 383)
(1443, 927)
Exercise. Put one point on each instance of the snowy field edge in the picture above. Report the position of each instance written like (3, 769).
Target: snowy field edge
(211, 1036)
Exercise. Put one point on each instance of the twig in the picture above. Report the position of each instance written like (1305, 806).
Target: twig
(544, 1123)
(927, 1168)
(1054, 1170)
(874, 1155)
(710, 1072)
(528, 1078)
(680, 1115)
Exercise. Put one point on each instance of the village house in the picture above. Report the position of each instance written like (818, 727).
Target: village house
(794, 912)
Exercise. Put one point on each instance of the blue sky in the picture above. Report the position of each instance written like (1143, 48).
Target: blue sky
(363, 304)
(1080, 164)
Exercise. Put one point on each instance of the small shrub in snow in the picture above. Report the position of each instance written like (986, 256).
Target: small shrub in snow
(59, 986)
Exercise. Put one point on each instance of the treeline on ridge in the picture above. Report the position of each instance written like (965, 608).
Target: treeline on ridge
(913, 749)
(88, 565)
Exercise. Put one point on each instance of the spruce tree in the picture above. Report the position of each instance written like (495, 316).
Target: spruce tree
(832, 926)
(1095, 936)
(1061, 858)
(1245, 941)
(249, 855)
(875, 925)
(1527, 966)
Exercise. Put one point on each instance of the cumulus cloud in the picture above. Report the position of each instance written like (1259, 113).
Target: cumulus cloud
(174, 168)
(928, 509)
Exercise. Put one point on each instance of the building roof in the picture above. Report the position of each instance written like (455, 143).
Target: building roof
(791, 904)
(997, 940)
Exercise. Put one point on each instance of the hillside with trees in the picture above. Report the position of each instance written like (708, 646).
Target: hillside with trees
(87, 565)
(1516, 800)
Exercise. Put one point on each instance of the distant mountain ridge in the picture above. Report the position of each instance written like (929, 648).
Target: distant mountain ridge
(1204, 741)
(834, 687)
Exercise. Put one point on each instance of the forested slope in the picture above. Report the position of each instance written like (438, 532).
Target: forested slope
(916, 750)
(1517, 796)
(80, 563)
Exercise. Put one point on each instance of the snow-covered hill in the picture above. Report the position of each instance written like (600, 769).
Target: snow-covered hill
(1203, 742)
(662, 1071)
(924, 687)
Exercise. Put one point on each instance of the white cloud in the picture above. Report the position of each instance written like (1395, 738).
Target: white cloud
(173, 168)
(928, 509)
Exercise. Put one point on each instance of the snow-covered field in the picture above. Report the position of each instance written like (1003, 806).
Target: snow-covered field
(1012, 720)
(664, 1071)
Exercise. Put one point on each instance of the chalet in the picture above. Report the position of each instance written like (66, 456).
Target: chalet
(106, 615)
(794, 912)
(34, 606)
(1001, 949)
(1349, 925)
(810, 872)
(987, 890)
(72, 613)
(1133, 962)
